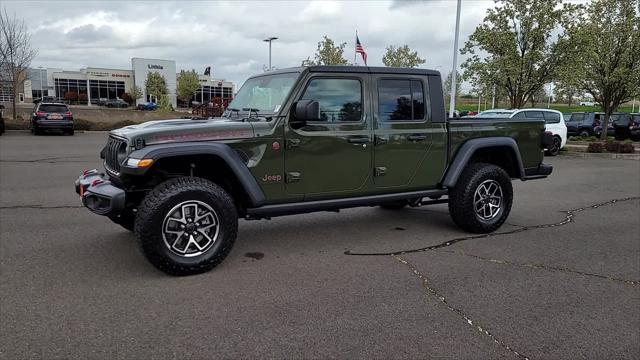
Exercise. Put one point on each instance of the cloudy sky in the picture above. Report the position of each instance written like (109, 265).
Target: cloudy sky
(227, 35)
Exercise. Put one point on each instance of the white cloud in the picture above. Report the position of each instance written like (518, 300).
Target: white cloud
(228, 35)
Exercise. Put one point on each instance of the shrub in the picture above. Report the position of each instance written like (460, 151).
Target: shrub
(71, 95)
(82, 97)
(81, 124)
(595, 147)
(626, 148)
(127, 98)
(612, 146)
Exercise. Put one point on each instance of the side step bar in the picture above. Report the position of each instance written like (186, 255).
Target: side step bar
(268, 211)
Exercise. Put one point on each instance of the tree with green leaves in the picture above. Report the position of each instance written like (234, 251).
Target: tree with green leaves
(522, 45)
(188, 83)
(156, 85)
(135, 92)
(328, 53)
(608, 42)
(402, 57)
(538, 96)
(447, 85)
(566, 91)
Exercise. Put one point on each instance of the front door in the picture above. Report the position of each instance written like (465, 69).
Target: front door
(402, 132)
(331, 157)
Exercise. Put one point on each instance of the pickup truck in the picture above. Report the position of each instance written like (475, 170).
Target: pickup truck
(300, 140)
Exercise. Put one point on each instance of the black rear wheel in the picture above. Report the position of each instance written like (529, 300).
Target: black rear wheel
(481, 200)
(555, 146)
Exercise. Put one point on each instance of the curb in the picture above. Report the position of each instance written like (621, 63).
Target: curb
(614, 156)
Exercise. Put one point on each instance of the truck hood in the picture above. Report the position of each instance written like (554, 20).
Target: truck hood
(181, 130)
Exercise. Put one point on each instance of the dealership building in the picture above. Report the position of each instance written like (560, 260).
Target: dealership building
(90, 84)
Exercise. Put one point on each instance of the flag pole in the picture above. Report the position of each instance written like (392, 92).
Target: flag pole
(355, 62)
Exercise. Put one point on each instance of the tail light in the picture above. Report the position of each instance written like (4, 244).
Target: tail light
(40, 113)
(68, 114)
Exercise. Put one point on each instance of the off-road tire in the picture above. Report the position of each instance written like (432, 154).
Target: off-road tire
(157, 204)
(126, 219)
(461, 198)
(557, 144)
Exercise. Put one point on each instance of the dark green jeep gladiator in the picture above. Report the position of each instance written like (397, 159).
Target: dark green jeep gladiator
(300, 140)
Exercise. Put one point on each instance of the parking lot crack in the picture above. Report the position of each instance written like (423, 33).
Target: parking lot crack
(443, 300)
(568, 218)
(543, 267)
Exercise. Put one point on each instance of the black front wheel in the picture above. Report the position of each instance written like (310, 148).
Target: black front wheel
(186, 225)
(482, 198)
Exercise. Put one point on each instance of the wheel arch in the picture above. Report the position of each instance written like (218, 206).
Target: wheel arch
(499, 151)
(213, 161)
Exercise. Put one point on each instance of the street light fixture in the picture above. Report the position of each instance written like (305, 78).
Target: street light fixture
(269, 40)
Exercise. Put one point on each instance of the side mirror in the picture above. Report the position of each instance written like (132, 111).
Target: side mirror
(303, 111)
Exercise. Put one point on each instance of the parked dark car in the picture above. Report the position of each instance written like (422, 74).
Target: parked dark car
(583, 124)
(2, 119)
(147, 106)
(51, 116)
(47, 99)
(116, 103)
(618, 125)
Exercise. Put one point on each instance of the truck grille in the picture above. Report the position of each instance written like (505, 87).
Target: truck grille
(115, 154)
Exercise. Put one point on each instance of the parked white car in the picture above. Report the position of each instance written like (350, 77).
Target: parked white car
(587, 103)
(554, 123)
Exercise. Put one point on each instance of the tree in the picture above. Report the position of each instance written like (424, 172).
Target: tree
(566, 91)
(135, 92)
(71, 96)
(402, 57)
(538, 96)
(447, 85)
(609, 44)
(522, 50)
(156, 85)
(16, 54)
(127, 98)
(327, 54)
(188, 83)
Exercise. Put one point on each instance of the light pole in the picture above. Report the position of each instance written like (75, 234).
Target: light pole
(452, 102)
(41, 88)
(269, 40)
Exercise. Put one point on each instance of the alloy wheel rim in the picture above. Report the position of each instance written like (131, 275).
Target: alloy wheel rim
(488, 200)
(190, 228)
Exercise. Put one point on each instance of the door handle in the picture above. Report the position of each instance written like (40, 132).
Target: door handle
(417, 137)
(358, 140)
(379, 140)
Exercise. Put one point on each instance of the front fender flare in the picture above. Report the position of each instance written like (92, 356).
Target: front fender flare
(467, 150)
(223, 151)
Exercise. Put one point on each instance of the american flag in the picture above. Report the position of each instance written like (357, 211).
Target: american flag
(360, 49)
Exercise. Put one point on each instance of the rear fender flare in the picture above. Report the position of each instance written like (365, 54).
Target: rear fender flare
(466, 151)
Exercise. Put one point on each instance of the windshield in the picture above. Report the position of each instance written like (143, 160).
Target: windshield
(264, 93)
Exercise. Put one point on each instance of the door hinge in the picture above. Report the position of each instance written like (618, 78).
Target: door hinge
(291, 143)
(380, 171)
(292, 177)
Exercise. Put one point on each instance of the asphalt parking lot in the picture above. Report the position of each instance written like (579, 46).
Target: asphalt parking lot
(560, 280)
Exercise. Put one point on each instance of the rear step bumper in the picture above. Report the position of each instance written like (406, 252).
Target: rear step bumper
(98, 194)
(542, 171)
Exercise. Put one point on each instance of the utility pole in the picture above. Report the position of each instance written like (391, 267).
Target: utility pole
(452, 101)
(269, 40)
(493, 99)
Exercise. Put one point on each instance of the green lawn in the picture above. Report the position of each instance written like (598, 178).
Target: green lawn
(563, 108)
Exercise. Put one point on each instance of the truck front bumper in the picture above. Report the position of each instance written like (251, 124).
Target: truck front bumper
(98, 194)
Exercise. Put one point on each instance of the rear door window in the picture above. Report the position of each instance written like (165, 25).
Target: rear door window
(534, 115)
(400, 100)
(551, 117)
(50, 108)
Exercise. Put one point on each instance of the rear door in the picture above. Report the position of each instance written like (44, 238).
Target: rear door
(402, 133)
